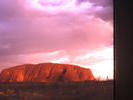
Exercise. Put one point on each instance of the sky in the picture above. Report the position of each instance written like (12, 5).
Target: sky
(76, 32)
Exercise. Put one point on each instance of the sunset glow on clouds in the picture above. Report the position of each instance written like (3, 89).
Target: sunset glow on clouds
(61, 31)
(58, 5)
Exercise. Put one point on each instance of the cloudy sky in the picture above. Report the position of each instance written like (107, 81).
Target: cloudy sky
(62, 31)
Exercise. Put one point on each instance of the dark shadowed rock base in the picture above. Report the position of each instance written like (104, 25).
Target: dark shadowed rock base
(87, 90)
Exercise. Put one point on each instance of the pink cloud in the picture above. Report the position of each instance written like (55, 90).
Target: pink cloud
(75, 31)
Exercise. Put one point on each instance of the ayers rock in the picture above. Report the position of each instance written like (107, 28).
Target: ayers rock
(46, 72)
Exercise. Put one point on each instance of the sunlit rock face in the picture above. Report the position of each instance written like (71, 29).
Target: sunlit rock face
(46, 72)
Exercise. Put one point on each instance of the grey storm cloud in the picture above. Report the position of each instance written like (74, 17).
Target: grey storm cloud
(107, 12)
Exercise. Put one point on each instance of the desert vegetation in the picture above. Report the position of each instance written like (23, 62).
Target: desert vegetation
(87, 90)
